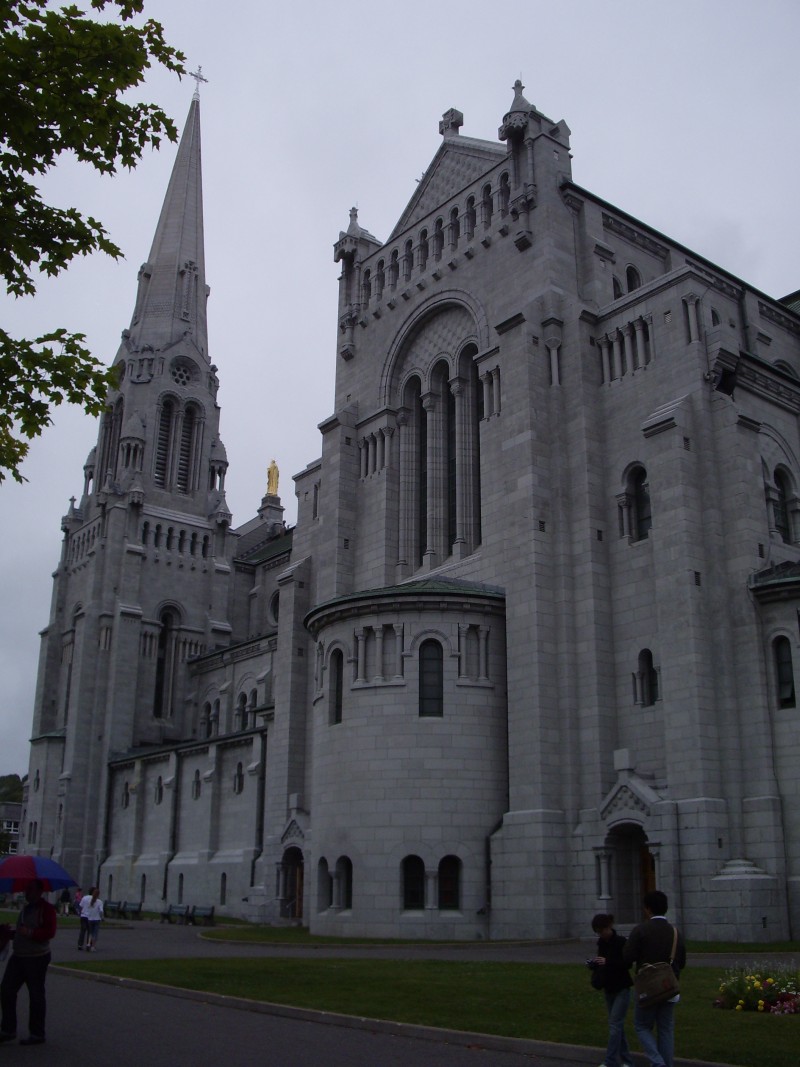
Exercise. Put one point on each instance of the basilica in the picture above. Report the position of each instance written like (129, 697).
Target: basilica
(528, 650)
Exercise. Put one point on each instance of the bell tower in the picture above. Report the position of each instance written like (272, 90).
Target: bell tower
(143, 580)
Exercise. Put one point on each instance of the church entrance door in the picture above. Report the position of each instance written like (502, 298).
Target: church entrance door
(292, 903)
(634, 871)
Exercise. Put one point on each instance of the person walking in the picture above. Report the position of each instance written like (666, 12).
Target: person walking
(27, 965)
(617, 984)
(652, 942)
(92, 911)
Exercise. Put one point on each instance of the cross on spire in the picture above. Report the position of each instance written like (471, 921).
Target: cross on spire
(198, 77)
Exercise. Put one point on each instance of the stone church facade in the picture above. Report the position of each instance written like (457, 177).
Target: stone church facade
(529, 648)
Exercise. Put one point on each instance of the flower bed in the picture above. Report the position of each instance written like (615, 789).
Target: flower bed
(768, 987)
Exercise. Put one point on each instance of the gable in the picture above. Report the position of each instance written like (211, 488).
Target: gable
(459, 162)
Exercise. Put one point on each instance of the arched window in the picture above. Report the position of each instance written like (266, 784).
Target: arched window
(162, 461)
(784, 672)
(450, 883)
(617, 287)
(504, 194)
(422, 250)
(187, 451)
(324, 886)
(408, 259)
(238, 779)
(641, 517)
(366, 287)
(241, 712)
(486, 206)
(394, 269)
(413, 883)
(633, 278)
(166, 664)
(647, 678)
(344, 882)
(455, 227)
(470, 216)
(431, 679)
(336, 691)
(781, 506)
(438, 239)
(380, 279)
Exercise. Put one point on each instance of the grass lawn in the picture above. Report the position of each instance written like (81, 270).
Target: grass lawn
(545, 1001)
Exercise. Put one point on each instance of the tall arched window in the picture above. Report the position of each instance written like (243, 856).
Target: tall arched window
(641, 516)
(781, 506)
(413, 883)
(486, 206)
(431, 679)
(336, 693)
(163, 457)
(185, 481)
(241, 712)
(470, 216)
(166, 666)
(784, 672)
(450, 883)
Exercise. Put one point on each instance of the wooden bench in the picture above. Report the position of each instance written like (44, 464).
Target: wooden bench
(112, 907)
(130, 910)
(176, 913)
(206, 915)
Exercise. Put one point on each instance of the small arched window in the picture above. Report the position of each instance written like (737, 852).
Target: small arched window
(504, 194)
(408, 259)
(431, 678)
(238, 779)
(336, 692)
(648, 679)
(366, 287)
(455, 227)
(486, 206)
(422, 250)
(470, 216)
(413, 883)
(324, 886)
(438, 239)
(784, 672)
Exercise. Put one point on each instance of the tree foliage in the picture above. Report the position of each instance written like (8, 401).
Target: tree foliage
(62, 74)
(10, 787)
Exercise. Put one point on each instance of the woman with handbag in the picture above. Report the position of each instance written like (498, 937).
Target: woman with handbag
(616, 985)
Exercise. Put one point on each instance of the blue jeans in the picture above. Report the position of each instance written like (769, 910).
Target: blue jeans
(659, 1047)
(617, 1051)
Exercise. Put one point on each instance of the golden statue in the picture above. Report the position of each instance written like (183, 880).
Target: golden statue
(272, 478)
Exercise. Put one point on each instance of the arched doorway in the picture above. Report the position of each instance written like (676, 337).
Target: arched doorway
(633, 871)
(291, 891)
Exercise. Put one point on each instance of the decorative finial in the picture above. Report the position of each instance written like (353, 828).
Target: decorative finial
(198, 77)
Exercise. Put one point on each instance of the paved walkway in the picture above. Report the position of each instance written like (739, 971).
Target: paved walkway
(96, 1021)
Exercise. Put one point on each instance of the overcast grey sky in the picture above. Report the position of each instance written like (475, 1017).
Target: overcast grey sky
(684, 114)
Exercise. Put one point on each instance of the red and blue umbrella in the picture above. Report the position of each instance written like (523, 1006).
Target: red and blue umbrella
(17, 872)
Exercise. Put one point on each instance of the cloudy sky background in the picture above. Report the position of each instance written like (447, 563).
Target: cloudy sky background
(684, 114)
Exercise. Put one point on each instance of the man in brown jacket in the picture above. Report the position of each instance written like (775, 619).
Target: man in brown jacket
(651, 942)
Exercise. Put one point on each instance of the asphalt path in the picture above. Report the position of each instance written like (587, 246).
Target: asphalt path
(97, 1021)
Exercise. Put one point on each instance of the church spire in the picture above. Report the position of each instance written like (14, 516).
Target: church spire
(171, 303)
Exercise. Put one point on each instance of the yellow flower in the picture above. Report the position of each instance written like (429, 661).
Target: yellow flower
(757, 985)
(770, 981)
(740, 1006)
(761, 1005)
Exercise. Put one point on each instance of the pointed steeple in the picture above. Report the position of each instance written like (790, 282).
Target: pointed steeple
(171, 302)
